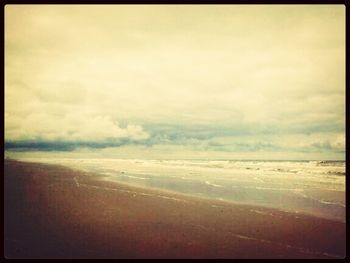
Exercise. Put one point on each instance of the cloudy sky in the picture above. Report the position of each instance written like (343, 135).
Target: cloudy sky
(236, 82)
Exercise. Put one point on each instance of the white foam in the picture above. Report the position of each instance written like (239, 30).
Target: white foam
(320, 200)
(261, 212)
(136, 177)
(245, 237)
(212, 184)
(76, 182)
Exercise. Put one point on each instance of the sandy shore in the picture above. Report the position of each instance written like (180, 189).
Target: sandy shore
(54, 212)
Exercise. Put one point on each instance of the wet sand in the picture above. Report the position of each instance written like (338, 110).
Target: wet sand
(55, 212)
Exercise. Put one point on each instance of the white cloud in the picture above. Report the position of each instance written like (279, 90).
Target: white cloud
(72, 127)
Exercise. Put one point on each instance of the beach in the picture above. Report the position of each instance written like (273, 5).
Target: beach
(55, 212)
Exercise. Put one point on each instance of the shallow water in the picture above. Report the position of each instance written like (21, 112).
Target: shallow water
(311, 187)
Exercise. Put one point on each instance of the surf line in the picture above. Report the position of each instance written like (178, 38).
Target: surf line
(212, 184)
(319, 200)
(129, 192)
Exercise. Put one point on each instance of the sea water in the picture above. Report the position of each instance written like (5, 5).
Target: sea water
(311, 187)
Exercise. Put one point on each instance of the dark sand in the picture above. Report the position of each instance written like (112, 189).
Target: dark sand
(54, 212)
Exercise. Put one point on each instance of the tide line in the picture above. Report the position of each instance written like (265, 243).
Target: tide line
(129, 192)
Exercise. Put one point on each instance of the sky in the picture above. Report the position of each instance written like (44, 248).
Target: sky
(175, 81)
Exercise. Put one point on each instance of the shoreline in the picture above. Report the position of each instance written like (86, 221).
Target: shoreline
(108, 178)
(92, 218)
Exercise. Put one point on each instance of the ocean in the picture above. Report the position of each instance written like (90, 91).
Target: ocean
(308, 187)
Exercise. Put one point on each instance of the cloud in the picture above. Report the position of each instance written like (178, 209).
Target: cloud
(195, 139)
(186, 76)
(59, 145)
(71, 127)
